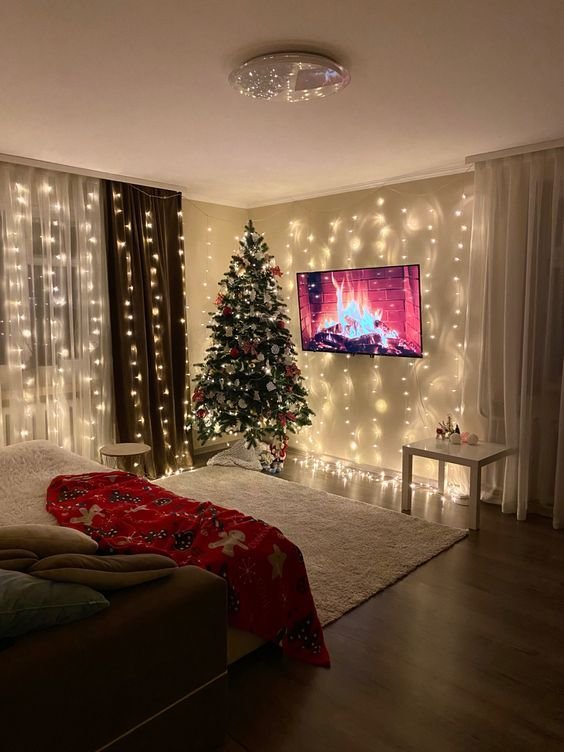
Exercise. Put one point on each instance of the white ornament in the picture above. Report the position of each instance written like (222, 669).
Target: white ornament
(260, 357)
(252, 295)
(221, 398)
(228, 331)
(242, 403)
(472, 439)
(455, 438)
(270, 386)
(256, 395)
(275, 349)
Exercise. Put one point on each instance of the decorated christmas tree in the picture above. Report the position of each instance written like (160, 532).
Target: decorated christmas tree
(249, 382)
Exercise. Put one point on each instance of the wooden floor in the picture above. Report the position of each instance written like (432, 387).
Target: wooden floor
(466, 653)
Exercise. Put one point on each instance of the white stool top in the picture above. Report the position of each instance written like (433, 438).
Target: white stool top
(125, 449)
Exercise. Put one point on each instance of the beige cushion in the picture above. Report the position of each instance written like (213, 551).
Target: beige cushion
(17, 559)
(104, 572)
(46, 540)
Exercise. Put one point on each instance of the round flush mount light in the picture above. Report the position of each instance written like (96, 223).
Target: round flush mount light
(289, 76)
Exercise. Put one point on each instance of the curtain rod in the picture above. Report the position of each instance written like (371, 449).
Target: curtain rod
(56, 167)
(515, 150)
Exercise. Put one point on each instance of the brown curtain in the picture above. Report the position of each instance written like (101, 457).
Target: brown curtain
(147, 307)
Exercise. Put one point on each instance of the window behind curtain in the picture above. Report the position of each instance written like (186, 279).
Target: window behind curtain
(55, 357)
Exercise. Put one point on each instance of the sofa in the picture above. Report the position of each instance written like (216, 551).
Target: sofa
(147, 673)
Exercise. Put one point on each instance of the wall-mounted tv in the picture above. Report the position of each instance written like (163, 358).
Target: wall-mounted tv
(372, 311)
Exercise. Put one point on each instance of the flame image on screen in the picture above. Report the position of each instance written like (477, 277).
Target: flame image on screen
(354, 322)
(373, 311)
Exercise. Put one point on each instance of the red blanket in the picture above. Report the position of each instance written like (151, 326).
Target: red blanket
(268, 589)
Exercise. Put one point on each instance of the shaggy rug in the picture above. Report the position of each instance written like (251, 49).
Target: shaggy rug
(352, 550)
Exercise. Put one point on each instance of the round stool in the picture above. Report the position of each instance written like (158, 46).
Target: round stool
(125, 451)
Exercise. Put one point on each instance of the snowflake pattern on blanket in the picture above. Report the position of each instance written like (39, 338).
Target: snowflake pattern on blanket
(267, 585)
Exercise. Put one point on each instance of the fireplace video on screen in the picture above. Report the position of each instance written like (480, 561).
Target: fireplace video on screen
(373, 311)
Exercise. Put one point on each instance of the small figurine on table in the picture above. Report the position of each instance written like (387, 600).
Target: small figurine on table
(446, 428)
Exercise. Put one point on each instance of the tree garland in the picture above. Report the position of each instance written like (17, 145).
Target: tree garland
(249, 382)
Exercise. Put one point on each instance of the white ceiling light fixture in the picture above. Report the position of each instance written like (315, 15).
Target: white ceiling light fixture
(289, 77)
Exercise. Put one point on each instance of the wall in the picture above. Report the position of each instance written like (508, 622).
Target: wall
(209, 240)
(365, 408)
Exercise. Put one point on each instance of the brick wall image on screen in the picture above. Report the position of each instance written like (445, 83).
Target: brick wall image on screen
(374, 311)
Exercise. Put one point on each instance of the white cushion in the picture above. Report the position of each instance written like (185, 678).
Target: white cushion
(26, 469)
(238, 455)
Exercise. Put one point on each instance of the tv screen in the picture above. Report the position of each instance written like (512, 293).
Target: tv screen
(373, 311)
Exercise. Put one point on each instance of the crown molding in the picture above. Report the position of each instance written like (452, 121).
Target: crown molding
(515, 151)
(73, 170)
(452, 169)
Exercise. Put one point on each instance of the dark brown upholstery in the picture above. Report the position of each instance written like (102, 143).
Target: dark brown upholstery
(78, 687)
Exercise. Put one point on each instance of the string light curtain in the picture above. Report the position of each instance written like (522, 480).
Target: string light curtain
(147, 303)
(55, 349)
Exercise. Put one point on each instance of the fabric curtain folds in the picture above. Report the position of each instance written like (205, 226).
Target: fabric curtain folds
(55, 349)
(516, 323)
(147, 303)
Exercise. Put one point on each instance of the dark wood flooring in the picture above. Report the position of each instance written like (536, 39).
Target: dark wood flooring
(464, 654)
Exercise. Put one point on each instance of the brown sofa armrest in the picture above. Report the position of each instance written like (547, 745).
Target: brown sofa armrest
(79, 686)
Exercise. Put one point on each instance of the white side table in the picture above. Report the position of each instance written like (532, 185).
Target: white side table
(125, 450)
(475, 457)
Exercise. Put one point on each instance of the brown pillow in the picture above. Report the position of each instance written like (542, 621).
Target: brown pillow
(46, 540)
(104, 572)
(16, 559)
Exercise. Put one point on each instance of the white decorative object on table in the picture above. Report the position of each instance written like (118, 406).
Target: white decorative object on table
(474, 457)
(455, 438)
(472, 439)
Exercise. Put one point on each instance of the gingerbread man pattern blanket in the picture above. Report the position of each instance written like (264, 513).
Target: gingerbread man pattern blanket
(268, 588)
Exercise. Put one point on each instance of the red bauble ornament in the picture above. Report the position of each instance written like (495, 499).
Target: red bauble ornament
(201, 413)
(281, 324)
(219, 300)
(198, 395)
(276, 271)
(234, 352)
(227, 311)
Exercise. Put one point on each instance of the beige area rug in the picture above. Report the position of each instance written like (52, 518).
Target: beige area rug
(352, 550)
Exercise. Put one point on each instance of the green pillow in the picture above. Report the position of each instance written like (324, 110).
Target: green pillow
(28, 603)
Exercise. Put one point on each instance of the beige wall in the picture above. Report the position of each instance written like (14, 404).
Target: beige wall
(365, 408)
(209, 240)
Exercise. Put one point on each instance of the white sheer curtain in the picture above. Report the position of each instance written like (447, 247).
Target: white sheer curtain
(515, 337)
(55, 356)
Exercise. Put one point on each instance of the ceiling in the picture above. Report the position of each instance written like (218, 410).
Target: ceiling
(139, 88)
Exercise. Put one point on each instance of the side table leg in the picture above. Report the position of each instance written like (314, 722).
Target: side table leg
(441, 477)
(475, 493)
(407, 467)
